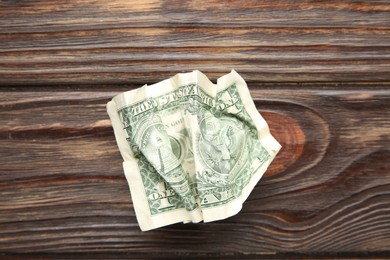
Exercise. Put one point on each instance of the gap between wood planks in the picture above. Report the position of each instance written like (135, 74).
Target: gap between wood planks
(326, 85)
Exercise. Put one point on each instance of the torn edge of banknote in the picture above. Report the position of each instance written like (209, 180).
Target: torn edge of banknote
(192, 150)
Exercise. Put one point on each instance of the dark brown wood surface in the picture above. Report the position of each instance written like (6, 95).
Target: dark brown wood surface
(100, 42)
(319, 74)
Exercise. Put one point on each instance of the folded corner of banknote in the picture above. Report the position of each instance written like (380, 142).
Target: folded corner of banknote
(192, 150)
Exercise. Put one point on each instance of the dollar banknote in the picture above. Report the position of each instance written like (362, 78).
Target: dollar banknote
(193, 150)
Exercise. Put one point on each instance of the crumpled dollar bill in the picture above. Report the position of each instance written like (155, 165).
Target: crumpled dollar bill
(192, 150)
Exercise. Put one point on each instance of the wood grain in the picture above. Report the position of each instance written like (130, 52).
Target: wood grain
(63, 190)
(319, 74)
(135, 42)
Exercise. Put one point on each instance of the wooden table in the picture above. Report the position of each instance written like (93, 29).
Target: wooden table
(319, 72)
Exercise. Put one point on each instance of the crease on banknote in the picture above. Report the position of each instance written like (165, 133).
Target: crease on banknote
(192, 150)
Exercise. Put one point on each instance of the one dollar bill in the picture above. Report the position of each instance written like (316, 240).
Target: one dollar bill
(193, 150)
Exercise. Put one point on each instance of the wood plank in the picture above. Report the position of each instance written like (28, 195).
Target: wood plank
(62, 189)
(133, 42)
(156, 255)
(38, 16)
